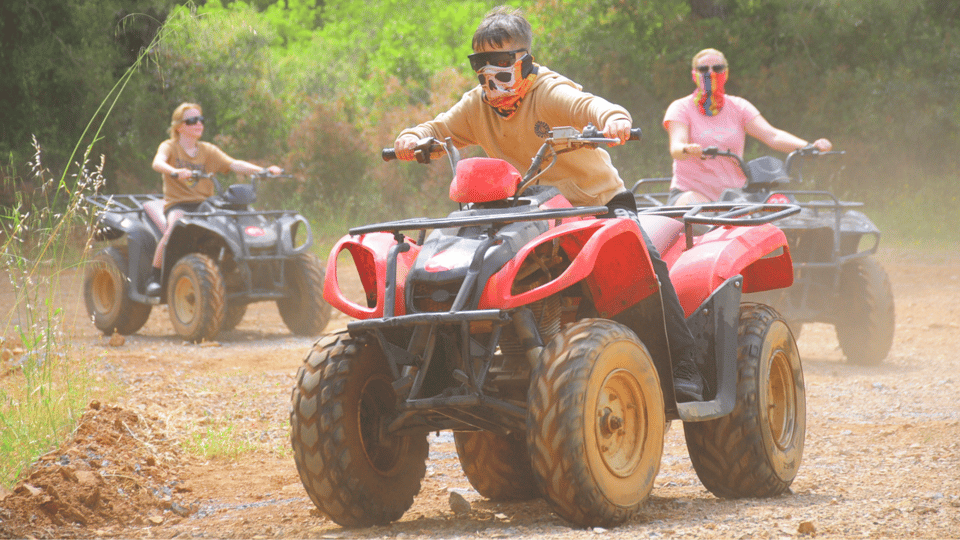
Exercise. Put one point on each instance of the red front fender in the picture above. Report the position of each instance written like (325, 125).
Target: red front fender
(759, 253)
(369, 252)
(609, 254)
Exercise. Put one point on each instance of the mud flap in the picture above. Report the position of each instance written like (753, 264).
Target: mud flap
(714, 325)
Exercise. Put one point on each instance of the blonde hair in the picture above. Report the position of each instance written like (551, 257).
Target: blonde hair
(705, 52)
(176, 120)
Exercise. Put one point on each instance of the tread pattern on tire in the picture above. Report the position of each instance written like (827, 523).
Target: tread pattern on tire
(127, 316)
(212, 297)
(728, 453)
(233, 316)
(498, 467)
(305, 313)
(866, 323)
(341, 483)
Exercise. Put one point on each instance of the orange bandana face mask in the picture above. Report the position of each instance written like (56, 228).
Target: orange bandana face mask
(709, 95)
(505, 87)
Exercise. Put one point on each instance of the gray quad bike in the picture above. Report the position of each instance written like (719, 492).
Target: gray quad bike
(534, 331)
(218, 260)
(837, 279)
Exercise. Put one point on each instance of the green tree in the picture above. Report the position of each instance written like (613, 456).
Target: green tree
(59, 59)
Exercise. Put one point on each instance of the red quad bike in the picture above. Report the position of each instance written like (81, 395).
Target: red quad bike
(218, 260)
(535, 332)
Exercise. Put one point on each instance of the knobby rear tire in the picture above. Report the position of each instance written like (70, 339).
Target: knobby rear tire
(755, 451)
(106, 290)
(866, 320)
(235, 314)
(497, 466)
(304, 310)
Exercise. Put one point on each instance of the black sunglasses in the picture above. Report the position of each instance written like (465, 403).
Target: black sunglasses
(717, 68)
(496, 58)
(193, 120)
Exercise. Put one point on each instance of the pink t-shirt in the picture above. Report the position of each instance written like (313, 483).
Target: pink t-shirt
(726, 131)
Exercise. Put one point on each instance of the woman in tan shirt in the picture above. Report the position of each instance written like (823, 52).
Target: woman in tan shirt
(177, 159)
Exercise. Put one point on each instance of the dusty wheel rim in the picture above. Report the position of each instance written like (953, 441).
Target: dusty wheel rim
(383, 451)
(619, 424)
(104, 291)
(185, 299)
(624, 431)
(782, 400)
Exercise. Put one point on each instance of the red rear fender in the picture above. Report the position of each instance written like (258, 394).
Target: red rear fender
(369, 254)
(609, 255)
(759, 253)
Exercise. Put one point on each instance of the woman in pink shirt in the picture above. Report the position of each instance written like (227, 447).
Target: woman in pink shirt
(709, 117)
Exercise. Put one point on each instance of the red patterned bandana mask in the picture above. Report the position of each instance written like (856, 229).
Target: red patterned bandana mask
(503, 88)
(709, 94)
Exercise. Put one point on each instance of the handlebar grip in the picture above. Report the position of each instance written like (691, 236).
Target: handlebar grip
(388, 154)
(592, 132)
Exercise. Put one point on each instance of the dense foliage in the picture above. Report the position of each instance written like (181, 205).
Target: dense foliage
(319, 86)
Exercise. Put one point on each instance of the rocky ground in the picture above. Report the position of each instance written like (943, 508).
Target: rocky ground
(881, 460)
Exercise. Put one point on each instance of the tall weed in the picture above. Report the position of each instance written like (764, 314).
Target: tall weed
(46, 380)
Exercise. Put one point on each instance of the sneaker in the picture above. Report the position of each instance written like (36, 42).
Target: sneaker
(153, 286)
(687, 381)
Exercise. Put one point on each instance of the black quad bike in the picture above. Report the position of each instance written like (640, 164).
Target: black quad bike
(219, 259)
(535, 332)
(837, 280)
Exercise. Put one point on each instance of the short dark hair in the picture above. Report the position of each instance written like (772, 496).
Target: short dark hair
(502, 24)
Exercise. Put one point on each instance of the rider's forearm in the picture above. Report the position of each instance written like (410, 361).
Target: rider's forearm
(245, 167)
(678, 150)
(786, 142)
(163, 167)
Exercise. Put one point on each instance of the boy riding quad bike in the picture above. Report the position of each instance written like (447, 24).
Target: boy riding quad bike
(220, 258)
(535, 332)
(837, 280)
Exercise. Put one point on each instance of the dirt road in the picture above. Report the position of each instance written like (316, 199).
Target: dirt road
(881, 459)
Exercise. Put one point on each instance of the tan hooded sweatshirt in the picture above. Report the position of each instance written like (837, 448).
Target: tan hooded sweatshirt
(586, 177)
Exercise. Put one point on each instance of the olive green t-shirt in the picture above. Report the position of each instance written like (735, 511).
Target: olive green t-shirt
(209, 158)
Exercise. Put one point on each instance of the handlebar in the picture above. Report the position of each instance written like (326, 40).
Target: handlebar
(427, 149)
(267, 174)
(806, 151)
(259, 174)
(430, 148)
(218, 187)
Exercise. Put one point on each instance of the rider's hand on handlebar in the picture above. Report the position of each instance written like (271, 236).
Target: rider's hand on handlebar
(405, 145)
(182, 174)
(617, 129)
(692, 151)
(822, 145)
(274, 170)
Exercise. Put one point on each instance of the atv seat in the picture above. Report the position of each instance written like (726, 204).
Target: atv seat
(662, 230)
(154, 211)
